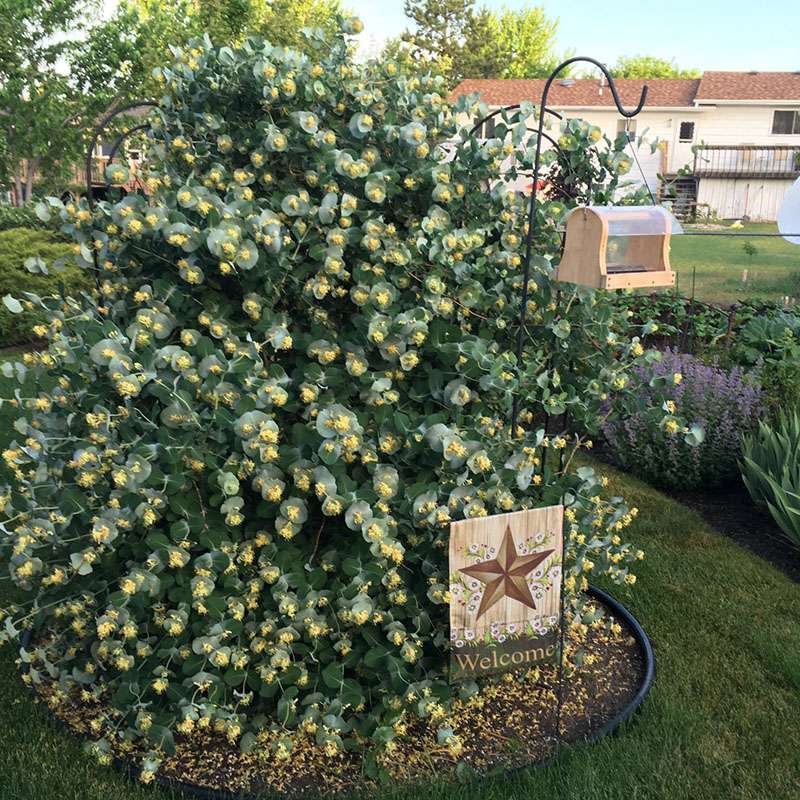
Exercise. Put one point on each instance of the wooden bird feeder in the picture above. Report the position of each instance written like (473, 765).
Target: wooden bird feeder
(618, 247)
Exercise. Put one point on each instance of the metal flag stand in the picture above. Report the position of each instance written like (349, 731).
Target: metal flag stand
(541, 136)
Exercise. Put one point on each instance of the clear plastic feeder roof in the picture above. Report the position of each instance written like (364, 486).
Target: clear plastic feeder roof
(632, 220)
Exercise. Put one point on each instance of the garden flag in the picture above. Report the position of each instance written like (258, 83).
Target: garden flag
(505, 587)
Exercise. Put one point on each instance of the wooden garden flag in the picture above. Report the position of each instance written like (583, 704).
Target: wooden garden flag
(505, 586)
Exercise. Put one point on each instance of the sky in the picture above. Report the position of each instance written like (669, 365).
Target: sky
(699, 34)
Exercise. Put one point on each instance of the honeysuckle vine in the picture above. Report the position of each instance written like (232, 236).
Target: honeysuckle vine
(228, 496)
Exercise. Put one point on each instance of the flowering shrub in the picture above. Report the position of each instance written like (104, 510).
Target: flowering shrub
(231, 510)
(724, 404)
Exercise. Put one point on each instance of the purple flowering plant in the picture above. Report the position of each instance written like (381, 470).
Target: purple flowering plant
(722, 403)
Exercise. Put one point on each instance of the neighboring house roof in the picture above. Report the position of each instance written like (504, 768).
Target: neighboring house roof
(662, 92)
(749, 86)
(581, 92)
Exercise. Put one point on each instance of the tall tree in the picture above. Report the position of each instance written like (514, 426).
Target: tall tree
(650, 67)
(282, 21)
(59, 68)
(463, 41)
(158, 25)
(440, 30)
(481, 56)
(527, 40)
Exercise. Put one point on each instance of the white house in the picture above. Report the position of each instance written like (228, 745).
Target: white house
(729, 142)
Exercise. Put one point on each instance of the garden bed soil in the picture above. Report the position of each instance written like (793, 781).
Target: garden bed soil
(511, 723)
(731, 511)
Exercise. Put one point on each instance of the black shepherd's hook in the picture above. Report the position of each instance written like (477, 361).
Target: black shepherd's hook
(543, 110)
(98, 130)
(532, 213)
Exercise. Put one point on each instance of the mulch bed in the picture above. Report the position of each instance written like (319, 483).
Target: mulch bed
(731, 511)
(510, 723)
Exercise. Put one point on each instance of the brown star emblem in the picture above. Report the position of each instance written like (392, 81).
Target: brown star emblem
(505, 576)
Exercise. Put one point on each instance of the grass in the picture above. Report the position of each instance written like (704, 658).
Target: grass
(773, 271)
(722, 721)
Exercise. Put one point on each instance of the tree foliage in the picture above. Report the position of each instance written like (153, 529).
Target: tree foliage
(230, 493)
(462, 41)
(650, 67)
(62, 66)
(158, 25)
(523, 41)
(59, 68)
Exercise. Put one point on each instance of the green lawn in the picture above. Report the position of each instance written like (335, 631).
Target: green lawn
(773, 271)
(722, 722)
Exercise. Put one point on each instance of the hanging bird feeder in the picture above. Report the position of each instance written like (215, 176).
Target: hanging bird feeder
(618, 247)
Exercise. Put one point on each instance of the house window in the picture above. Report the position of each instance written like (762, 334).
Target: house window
(686, 132)
(486, 130)
(628, 126)
(786, 122)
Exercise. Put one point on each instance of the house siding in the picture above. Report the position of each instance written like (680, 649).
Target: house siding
(722, 124)
(745, 124)
(735, 198)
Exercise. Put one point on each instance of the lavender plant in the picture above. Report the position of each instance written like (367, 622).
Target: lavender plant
(723, 403)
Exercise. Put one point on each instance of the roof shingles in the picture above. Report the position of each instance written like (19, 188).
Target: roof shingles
(662, 92)
(581, 92)
(749, 86)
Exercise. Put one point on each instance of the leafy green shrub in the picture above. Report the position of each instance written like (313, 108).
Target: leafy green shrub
(750, 250)
(21, 245)
(704, 326)
(771, 471)
(767, 337)
(770, 344)
(781, 382)
(19, 217)
(232, 509)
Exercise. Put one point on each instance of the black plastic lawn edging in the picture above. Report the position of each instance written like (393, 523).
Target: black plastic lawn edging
(190, 790)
